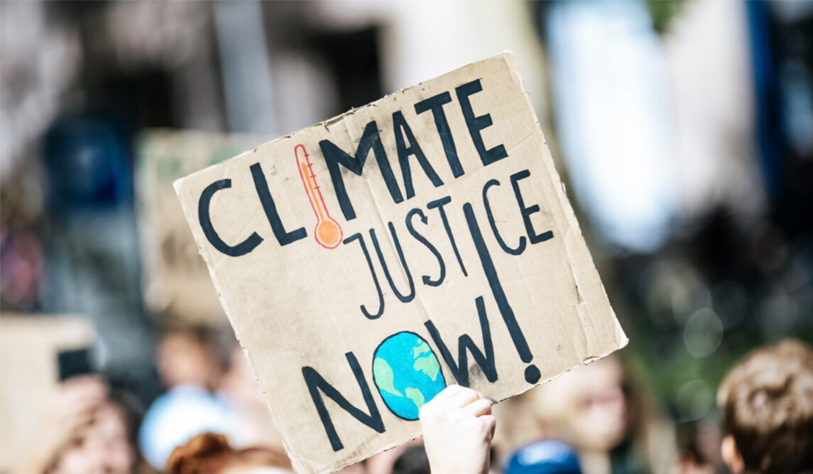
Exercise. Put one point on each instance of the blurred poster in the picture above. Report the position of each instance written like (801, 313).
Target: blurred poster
(176, 282)
(30, 349)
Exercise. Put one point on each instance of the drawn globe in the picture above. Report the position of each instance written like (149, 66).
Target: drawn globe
(407, 374)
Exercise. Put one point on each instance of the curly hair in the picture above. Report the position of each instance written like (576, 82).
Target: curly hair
(767, 406)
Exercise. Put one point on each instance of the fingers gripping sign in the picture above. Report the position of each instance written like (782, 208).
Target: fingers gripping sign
(457, 428)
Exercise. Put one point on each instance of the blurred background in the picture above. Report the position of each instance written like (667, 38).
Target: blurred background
(682, 129)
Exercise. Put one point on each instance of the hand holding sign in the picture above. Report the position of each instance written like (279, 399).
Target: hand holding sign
(457, 430)
(453, 256)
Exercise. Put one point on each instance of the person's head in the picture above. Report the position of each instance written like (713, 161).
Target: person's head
(185, 357)
(105, 446)
(211, 453)
(544, 457)
(767, 407)
(239, 381)
(412, 461)
(588, 406)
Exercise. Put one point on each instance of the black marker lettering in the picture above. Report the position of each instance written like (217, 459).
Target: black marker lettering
(377, 315)
(334, 156)
(439, 203)
(476, 124)
(521, 247)
(209, 231)
(531, 372)
(426, 280)
(460, 369)
(411, 295)
(261, 185)
(316, 383)
(401, 129)
(527, 211)
(435, 104)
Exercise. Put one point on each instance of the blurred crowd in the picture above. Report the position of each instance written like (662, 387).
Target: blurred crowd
(683, 130)
(592, 420)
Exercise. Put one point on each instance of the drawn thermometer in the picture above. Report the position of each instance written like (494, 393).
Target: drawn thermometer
(327, 233)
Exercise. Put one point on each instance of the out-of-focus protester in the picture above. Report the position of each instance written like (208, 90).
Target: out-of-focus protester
(600, 413)
(766, 401)
(210, 453)
(385, 462)
(412, 460)
(249, 410)
(544, 457)
(188, 368)
(90, 430)
(210, 388)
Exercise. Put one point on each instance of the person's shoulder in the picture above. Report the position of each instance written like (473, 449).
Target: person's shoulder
(544, 457)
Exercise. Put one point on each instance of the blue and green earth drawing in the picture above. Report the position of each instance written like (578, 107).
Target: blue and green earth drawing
(407, 374)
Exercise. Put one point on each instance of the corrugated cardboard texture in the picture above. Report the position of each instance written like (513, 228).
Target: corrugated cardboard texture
(518, 287)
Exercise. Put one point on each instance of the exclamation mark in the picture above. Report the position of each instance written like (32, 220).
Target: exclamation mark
(532, 374)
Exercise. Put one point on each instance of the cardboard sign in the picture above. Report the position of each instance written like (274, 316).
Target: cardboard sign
(177, 286)
(369, 261)
(29, 375)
